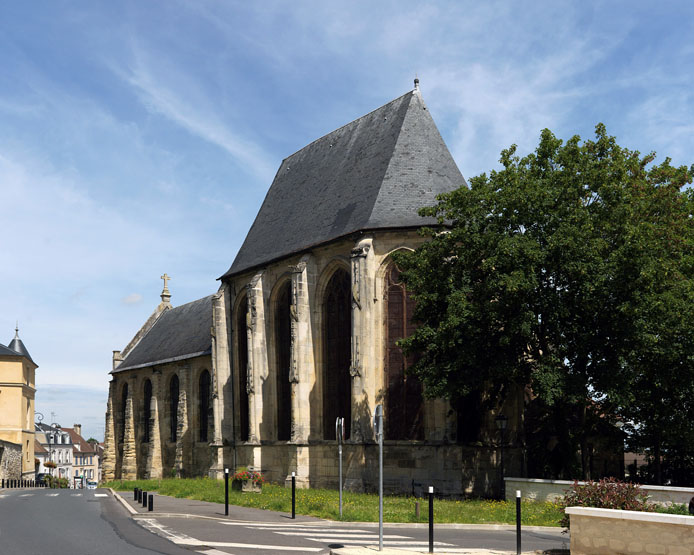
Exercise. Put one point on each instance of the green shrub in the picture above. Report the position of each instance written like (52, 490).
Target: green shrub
(674, 509)
(608, 493)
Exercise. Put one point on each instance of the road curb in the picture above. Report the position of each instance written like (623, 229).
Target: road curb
(443, 525)
(123, 502)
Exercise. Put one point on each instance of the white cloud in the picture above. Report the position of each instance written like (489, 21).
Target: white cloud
(174, 95)
(133, 298)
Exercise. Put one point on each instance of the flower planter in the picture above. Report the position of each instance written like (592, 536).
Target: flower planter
(247, 486)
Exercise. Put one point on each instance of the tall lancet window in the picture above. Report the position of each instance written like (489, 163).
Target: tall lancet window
(242, 342)
(204, 403)
(403, 403)
(123, 405)
(173, 407)
(147, 412)
(337, 332)
(283, 342)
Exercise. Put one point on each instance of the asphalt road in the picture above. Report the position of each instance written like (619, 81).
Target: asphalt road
(72, 522)
(217, 536)
(91, 522)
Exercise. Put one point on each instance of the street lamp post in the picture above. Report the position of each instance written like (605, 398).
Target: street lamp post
(501, 423)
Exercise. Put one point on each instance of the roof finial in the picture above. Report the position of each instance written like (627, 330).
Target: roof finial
(165, 294)
(416, 83)
(16, 330)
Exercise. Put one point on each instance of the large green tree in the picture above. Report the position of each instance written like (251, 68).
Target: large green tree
(569, 270)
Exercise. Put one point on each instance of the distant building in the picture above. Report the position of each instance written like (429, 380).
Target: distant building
(17, 391)
(85, 457)
(58, 443)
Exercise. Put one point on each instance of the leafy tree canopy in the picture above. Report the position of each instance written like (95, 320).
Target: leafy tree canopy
(570, 270)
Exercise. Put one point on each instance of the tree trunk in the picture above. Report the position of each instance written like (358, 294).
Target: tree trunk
(657, 468)
(585, 465)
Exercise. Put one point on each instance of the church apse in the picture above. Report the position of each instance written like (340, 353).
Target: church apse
(313, 316)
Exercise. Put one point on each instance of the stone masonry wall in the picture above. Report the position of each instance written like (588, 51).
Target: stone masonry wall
(10, 460)
(454, 469)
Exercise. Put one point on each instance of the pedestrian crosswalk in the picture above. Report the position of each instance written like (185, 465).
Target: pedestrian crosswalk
(51, 494)
(359, 536)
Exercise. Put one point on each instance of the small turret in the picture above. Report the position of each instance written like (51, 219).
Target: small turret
(18, 345)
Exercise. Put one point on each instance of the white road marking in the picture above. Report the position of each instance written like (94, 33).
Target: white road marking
(75, 495)
(214, 552)
(26, 495)
(181, 539)
(390, 543)
(365, 535)
(314, 529)
(101, 495)
(53, 494)
(193, 541)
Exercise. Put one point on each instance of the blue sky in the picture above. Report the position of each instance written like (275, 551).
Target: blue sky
(138, 138)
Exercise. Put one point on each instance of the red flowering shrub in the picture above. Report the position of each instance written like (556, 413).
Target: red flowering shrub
(608, 493)
(245, 474)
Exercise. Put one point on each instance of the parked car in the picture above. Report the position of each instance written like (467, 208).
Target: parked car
(91, 484)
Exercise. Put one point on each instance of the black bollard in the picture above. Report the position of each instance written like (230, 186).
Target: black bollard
(226, 492)
(431, 519)
(144, 498)
(139, 495)
(150, 508)
(3, 483)
(518, 522)
(134, 494)
(293, 494)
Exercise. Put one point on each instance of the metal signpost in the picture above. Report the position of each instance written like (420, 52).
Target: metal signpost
(340, 436)
(378, 428)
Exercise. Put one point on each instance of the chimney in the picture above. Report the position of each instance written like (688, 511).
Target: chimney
(78, 429)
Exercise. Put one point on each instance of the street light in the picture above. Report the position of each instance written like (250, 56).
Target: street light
(501, 423)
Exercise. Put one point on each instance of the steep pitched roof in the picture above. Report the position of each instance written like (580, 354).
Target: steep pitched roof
(179, 333)
(80, 444)
(373, 173)
(8, 352)
(38, 448)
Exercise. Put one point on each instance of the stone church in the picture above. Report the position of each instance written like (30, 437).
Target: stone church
(303, 330)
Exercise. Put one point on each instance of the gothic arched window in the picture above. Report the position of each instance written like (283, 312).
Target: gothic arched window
(123, 405)
(173, 407)
(403, 402)
(147, 412)
(337, 353)
(204, 403)
(242, 342)
(283, 342)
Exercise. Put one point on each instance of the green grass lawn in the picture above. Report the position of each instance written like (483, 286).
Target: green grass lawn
(359, 507)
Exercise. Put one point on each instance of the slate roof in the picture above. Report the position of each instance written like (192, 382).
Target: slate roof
(8, 352)
(373, 173)
(80, 444)
(18, 345)
(179, 333)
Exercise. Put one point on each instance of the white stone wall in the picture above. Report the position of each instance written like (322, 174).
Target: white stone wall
(552, 490)
(611, 532)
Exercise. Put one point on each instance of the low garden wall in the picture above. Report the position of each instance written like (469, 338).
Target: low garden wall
(551, 490)
(609, 531)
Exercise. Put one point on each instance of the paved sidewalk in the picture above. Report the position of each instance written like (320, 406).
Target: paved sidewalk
(174, 506)
(165, 506)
